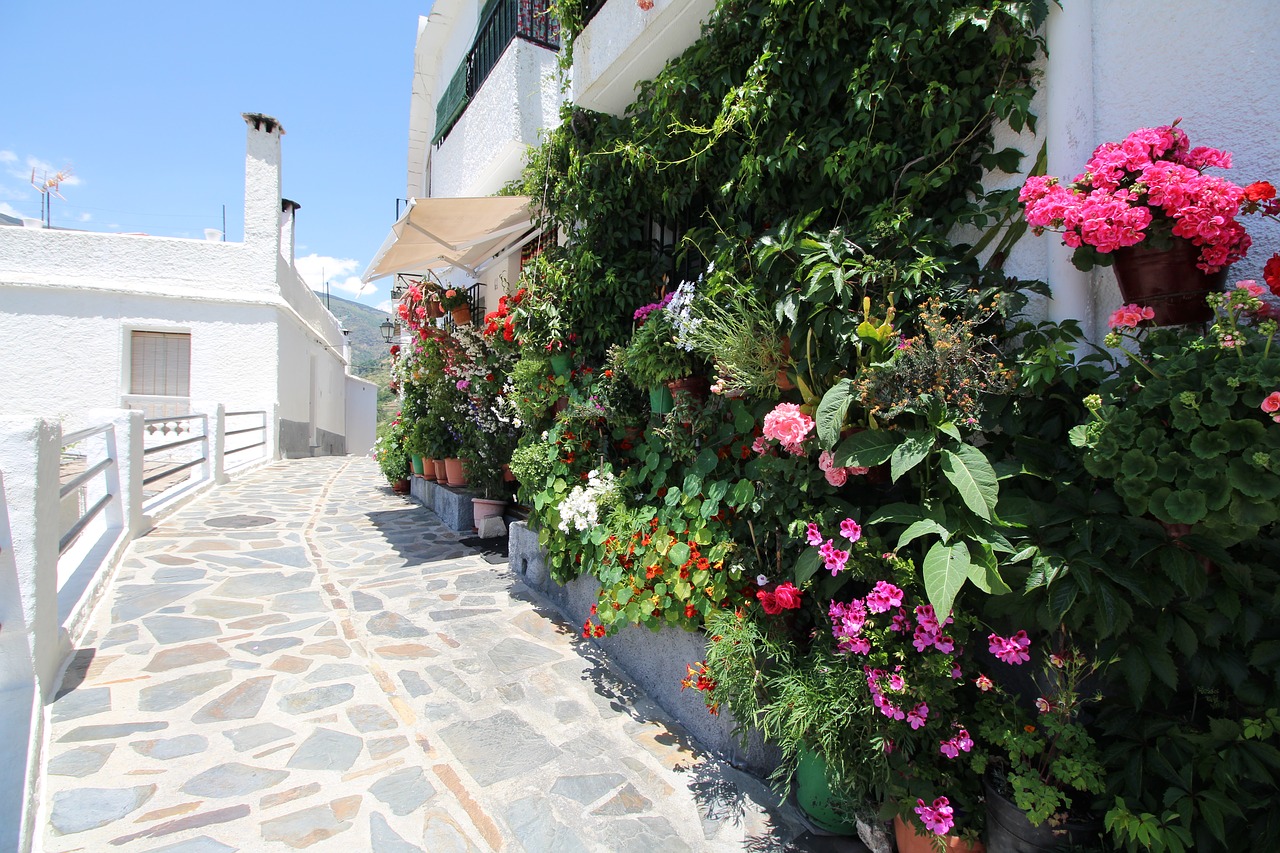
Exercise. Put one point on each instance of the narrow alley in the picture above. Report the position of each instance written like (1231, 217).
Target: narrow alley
(304, 660)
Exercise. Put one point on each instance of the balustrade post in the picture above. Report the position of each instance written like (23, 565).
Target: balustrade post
(215, 444)
(29, 457)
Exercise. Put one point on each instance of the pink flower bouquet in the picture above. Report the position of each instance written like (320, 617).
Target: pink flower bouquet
(1150, 188)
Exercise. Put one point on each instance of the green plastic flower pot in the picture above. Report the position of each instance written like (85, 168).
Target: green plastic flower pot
(814, 795)
(416, 462)
(561, 364)
(660, 399)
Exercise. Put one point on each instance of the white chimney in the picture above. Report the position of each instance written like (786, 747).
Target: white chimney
(262, 182)
(288, 237)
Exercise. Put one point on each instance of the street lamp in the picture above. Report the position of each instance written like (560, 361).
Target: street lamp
(388, 330)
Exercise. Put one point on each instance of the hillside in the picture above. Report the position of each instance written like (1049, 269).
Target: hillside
(370, 356)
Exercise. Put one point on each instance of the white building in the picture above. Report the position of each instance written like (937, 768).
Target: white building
(92, 321)
(1112, 67)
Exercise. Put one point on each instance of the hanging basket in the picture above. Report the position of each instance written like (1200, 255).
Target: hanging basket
(660, 399)
(1168, 282)
(461, 315)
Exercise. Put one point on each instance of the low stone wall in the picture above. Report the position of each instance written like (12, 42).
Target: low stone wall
(453, 505)
(654, 660)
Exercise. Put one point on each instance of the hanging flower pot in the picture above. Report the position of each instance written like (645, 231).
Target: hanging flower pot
(461, 315)
(434, 310)
(813, 793)
(1168, 282)
(911, 841)
(660, 399)
(561, 364)
(1009, 831)
(454, 473)
(442, 476)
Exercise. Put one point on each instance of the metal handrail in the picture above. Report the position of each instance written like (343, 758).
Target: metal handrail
(146, 481)
(180, 443)
(262, 427)
(246, 447)
(246, 429)
(81, 435)
(84, 477)
(76, 529)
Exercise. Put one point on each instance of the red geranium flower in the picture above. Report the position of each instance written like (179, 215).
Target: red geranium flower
(1271, 273)
(1259, 191)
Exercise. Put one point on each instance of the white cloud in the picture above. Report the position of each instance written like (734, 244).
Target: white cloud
(341, 273)
(8, 157)
(85, 217)
(386, 307)
(9, 210)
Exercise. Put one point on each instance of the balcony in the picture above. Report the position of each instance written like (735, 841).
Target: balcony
(623, 44)
(500, 96)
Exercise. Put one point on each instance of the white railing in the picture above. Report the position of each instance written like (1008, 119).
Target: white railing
(69, 505)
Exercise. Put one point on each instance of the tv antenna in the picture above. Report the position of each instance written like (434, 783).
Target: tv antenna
(49, 186)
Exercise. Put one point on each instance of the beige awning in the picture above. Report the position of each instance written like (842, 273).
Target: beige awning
(468, 233)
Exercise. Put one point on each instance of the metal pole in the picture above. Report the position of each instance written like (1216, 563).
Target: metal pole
(224, 223)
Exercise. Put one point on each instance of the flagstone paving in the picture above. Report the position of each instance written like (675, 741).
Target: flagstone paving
(304, 660)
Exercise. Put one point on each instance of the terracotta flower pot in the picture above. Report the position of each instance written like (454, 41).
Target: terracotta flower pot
(400, 487)
(461, 315)
(910, 841)
(454, 472)
(441, 474)
(1167, 281)
(507, 476)
(697, 386)
(485, 508)
(434, 311)
(428, 468)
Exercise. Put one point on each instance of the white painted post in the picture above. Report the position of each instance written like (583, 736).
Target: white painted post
(1069, 124)
(273, 432)
(29, 453)
(215, 446)
(129, 434)
(21, 716)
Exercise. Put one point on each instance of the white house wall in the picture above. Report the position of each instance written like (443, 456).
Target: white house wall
(1198, 61)
(488, 145)
(624, 44)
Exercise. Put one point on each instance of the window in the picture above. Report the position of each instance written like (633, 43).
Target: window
(160, 364)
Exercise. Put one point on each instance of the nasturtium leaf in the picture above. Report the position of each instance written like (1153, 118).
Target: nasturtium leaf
(945, 569)
(679, 553)
(974, 479)
(706, 462)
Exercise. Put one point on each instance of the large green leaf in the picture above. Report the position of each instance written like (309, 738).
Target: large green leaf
(899, 513)
(923, 527)
(807, 565)
(829, 418)
(968, 470)
(867, 448)
(914, 450)
(945, 569)
(678, 554)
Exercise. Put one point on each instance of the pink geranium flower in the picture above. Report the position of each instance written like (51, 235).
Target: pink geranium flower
(938, 818)
(788, 426)
(852, 531)
(1271, 404)
(1130, 316)
(1013, 650)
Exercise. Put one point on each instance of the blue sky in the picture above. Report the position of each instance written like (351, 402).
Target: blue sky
(142, 100)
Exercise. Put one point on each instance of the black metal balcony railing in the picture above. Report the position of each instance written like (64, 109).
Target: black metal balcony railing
(589, 9)
(501, 21)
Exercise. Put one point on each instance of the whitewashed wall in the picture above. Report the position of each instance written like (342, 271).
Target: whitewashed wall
(488, 145)
(1117, 65)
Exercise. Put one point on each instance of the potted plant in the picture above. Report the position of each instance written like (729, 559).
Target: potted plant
(457, 304)
(1146, 204)
(1045, 766)
(653, 358)
(393, 458)
(536, 320)
(1187, 429)
(734, 331)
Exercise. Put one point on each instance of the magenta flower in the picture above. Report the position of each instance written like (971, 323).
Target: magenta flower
(884, 597)
(856, 645)
(896, 682)
(918, 716)
(949, 748)
(944, 644)
(852, 531)
(813, 534)
(1013, 650)
(938, 818)
(926, 618)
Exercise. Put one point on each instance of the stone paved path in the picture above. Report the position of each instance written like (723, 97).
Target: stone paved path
(302, 659)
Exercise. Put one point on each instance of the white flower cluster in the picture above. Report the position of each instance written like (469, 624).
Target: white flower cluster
(580, 510)
(680, 310)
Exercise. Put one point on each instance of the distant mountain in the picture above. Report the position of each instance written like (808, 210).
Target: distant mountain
(370, 355)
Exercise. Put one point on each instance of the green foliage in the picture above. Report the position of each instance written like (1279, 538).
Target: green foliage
(652, 357)
(390, 449)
